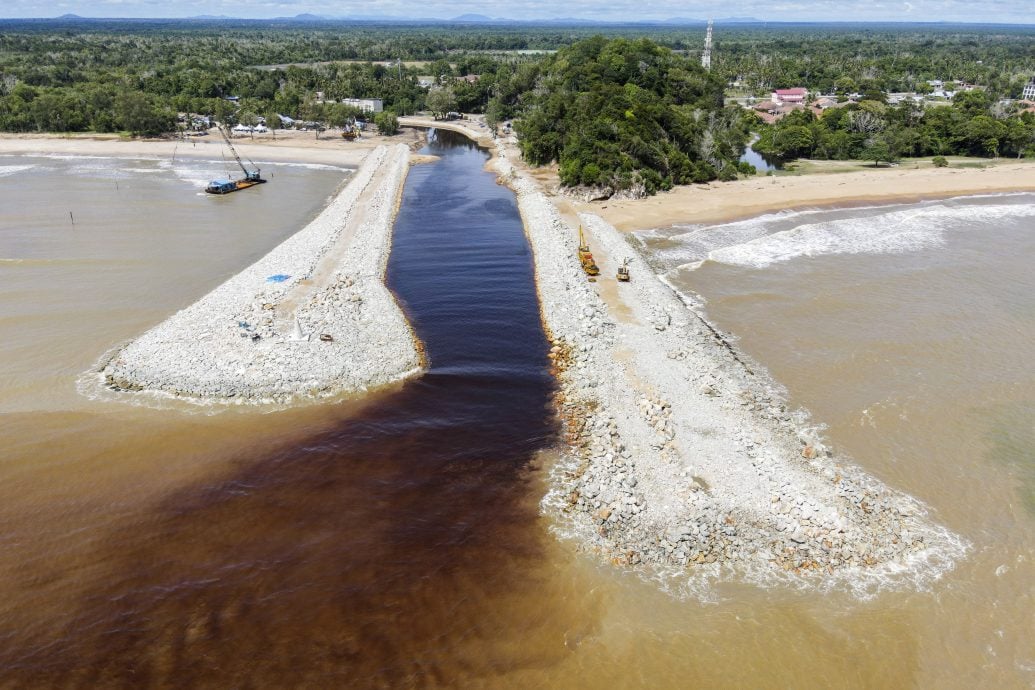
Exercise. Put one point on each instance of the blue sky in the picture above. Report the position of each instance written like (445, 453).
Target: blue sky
(1006, 11)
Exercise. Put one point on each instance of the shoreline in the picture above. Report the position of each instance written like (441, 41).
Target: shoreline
(310, 319)
(681, 458)
(284, 147)
(717, 203)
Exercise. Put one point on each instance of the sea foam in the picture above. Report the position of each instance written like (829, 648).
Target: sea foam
(777, 237)
(6, 170)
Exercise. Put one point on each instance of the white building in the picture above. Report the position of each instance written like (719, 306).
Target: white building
(367, 105)
(1029, 90)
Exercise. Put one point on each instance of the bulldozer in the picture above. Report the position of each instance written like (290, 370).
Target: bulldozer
(585, 257)
(623, 272)
(350, 132)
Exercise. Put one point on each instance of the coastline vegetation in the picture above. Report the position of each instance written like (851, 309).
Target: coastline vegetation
(631, 110)
(872, 130)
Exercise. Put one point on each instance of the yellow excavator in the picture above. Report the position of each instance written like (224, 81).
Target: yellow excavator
(585, 258)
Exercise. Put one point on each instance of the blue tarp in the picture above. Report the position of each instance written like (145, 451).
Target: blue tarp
(279, 278)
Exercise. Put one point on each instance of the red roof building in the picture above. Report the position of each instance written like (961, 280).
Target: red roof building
(796, 95)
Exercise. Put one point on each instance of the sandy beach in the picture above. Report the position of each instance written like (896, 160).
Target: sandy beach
(283, 146)
(728, 201)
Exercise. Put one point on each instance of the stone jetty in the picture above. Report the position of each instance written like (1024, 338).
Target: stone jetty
(312, 318)
(680, 454)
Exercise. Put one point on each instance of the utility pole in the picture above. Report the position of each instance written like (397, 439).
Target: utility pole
(706, 56)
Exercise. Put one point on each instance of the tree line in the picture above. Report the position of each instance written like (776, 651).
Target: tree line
(973, 125)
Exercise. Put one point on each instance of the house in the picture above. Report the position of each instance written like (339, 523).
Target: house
(1028, 94)
(770, 112)
(470, 78)
(285, 121)
(824, 102)
(895, 98)
(426, 81)
(795, 95)
(367, 105)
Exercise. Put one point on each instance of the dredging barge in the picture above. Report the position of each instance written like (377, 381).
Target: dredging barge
(250, 178)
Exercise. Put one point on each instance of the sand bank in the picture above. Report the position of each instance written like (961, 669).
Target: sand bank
(311, 318)
(283, 147)
(726, 201)
(681, 456)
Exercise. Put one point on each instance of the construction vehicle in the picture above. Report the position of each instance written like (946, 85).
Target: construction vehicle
(585, 258)
(350, 132)
(623, 272)
(250, 178)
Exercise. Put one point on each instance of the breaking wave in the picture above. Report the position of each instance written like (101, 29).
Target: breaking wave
(777, 237)
(6, 170)
(890, 233)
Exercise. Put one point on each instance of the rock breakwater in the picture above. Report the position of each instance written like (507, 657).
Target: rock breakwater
(311, 318)
(682, 455)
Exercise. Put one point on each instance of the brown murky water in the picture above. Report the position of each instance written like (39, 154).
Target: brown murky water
(397, 542)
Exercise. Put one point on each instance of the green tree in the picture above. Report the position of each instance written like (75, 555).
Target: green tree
(440, 100)
(387, 123)
(983, 134)
(137, 113)
(878, 149)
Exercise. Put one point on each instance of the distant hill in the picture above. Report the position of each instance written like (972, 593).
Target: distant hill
(69, 16)
(472, 18)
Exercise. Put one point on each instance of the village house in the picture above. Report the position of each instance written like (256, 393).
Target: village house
(770, 111)
(367, 105)
(426, 81)
(1028, 93)
(795, 95)
(897, 97)
(470, 78)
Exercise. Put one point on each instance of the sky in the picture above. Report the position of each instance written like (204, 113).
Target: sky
(984, 11)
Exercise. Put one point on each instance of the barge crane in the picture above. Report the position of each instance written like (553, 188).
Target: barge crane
(250, 179)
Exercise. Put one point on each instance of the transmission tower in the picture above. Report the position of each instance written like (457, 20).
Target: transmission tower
(706, 56)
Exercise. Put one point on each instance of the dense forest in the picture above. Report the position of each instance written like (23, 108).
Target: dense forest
(627, 115)
(622, 112)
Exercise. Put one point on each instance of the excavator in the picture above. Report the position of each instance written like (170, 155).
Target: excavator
(585, 258)
(250, 179)
(350, 132)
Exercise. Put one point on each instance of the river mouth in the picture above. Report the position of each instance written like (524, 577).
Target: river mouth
(364, 551)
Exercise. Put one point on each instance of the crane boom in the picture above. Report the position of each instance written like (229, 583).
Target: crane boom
(226, 138)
